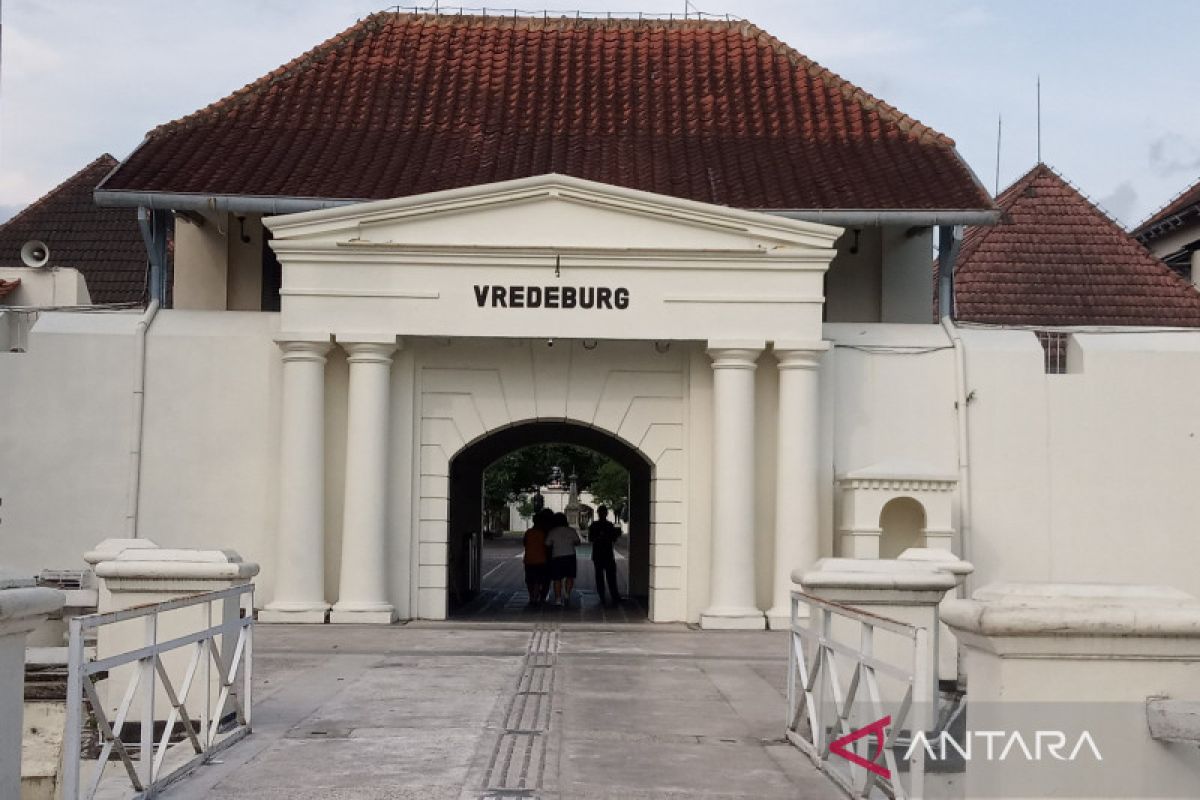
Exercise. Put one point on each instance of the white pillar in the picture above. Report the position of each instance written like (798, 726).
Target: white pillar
(797, 512)
(362, 592)
(732, 602)
(300, 554)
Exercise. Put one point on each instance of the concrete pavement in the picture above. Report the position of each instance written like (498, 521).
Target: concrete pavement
(462, 710)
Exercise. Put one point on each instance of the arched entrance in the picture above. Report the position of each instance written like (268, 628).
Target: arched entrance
(464, 523)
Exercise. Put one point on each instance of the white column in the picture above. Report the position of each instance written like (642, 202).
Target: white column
(797, 534)
(300, 554)
(732, 602)
(362, 592)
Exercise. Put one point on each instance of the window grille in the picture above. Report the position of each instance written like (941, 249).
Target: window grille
(1054, 346)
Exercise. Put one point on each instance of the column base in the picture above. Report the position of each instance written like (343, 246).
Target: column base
(748, 619)
(299, 613)
(779, 619)
(371, 615)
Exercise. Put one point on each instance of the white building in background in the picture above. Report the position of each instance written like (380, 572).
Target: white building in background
(410, 252)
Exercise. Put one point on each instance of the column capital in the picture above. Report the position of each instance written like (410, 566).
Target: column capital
(735, 355)
(369, 352)
(304, 350)
(799, 355)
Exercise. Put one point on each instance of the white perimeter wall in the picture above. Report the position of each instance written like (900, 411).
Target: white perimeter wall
(1084, 476)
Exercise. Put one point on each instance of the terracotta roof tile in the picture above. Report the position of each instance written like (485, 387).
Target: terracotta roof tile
(403, 104)
(1056, 259)
(1186, 202)
(104, 244)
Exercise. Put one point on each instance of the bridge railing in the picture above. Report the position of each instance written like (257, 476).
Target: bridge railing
(834, 692)
(210, 699)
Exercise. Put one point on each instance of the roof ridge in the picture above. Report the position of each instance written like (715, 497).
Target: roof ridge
(908, 125)
(41, 201)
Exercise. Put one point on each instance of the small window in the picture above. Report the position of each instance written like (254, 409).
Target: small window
(1054, 346)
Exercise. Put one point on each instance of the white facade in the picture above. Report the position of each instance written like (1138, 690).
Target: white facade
(318, 442)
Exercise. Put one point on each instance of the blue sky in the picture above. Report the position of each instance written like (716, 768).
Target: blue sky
(1119, 111)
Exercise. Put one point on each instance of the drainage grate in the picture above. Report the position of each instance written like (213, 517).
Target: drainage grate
(517, 765)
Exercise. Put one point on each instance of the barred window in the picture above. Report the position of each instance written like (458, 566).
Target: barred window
(1054, 346)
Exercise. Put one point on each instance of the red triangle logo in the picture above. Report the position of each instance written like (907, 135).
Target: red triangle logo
(838, 746)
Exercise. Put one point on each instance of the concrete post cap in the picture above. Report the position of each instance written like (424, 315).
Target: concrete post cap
(875, 573)
(943, 559)
(22, 609)
(111, 548)
(177, 564)
(1075, 610)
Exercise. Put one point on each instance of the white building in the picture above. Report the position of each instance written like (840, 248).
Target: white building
(681, 244)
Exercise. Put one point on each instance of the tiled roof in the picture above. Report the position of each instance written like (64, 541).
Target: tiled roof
(402, 104)
(104, 244)
(1056, 259)
(1187, 202)
(8, 287)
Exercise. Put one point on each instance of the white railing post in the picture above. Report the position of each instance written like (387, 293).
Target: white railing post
(148, 685)
(73, 733)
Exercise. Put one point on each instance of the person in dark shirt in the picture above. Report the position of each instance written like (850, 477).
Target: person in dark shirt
(602, 535)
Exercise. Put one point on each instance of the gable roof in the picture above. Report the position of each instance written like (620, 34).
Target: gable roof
(403, 104)
(104, 244)
(1056, 259)
(1170, 216)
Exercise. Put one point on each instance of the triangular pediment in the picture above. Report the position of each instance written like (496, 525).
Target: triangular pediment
(547, 212)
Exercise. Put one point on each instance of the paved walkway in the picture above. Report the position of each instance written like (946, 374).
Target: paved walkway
(459, 710)
(504, 598)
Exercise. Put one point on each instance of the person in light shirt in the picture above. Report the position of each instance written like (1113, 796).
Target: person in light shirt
(562, 540)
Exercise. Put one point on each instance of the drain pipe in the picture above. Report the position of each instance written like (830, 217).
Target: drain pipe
(949, 239)
(154, 230)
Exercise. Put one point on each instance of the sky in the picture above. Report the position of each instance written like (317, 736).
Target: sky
(1118, 79)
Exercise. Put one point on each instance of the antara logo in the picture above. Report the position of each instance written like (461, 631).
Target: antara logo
(996, 746)
(878, 728)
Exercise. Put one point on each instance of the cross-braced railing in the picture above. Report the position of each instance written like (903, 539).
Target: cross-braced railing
(825, 713)
(217, 682)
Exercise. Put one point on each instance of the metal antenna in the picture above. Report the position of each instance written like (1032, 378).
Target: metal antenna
(999, 127)
(1039, 119)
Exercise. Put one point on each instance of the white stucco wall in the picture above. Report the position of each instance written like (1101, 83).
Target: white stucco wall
(1084, 476)
(1089, 475)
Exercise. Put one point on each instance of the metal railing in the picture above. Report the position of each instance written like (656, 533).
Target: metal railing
(823, 710)
(224, 650)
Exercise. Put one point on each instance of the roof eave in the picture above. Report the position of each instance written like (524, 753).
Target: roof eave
(277, 204)
(846, 217)
(232, 203)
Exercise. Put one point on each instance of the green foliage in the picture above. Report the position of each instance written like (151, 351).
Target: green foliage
(515, 476)
(611, 486)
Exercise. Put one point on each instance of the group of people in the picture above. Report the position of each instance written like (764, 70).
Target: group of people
(550, 558)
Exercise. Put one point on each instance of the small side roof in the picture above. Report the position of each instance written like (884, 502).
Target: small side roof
(1055, 259)
(1186, 204)
(104, 244)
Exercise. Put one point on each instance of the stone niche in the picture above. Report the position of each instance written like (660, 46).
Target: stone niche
(889, 507)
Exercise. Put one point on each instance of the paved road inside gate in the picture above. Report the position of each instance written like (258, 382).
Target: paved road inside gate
(470, 711)
(504, 597)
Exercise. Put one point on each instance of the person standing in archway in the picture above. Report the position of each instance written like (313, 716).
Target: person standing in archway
(537, 568)
(563, 540)
(602, 535)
